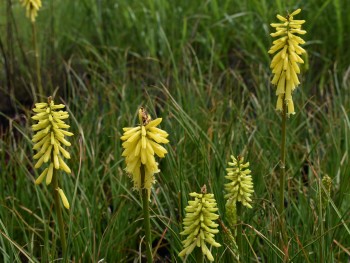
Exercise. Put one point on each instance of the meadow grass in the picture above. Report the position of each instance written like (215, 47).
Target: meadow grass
(203, 67)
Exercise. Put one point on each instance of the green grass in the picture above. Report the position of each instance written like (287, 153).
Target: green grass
(203, 67)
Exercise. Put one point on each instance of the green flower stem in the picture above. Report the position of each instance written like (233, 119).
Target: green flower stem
(37, 62)
(283, 161)
(239, 228)
(283, 172)
(146, 218)
(59, 213)
(322, 222)
(199, 256)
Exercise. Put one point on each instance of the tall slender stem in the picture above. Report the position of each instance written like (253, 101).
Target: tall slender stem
(59, 212)
(283, 161)
(283, 174)
(146, 218)
(322, 222)
(37, 61)
(239, 228)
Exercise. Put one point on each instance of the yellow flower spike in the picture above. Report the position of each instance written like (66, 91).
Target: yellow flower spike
(284, 65)
(47, 140)
(32, 7)
(63, 198)
(140, 145)
(240, 187)
(199, 226)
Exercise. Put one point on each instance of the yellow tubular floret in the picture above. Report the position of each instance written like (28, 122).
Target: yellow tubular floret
(41, 176)
(49, 174)
(63, 198)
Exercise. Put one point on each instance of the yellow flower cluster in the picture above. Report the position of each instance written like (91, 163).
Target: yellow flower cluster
(32, 7)
(284, 64)
(199, 225)
(240, 188)
(140, 144)
(48, 138)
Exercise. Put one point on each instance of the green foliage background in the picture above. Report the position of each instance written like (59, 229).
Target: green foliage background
(203, 67)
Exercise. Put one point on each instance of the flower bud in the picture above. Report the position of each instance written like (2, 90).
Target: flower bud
(199, 225)
(48, 138)
(240, 187)
(63, 198)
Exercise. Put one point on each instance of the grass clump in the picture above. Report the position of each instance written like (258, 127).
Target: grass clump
(204, 66)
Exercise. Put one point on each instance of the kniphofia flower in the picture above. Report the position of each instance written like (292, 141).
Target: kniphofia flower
(32, 7)
(140, 145)
(50, 132)
(284, 64)
(240, 187)
(199, 224)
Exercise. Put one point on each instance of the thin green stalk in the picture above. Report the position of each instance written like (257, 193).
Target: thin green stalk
(283, 161)
(146, 218)
(59, 213)
(239, 228)
(37, 62)
(321, 217)
(283, 176)
(8, 62)
(199, 256)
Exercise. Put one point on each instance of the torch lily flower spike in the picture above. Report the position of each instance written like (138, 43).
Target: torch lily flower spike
(32, 7)
(199, 224)
(141, 144)
(50, 132)
(284, 64)
(240, 187)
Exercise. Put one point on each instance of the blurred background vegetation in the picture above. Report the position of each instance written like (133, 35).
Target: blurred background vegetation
(203, 67)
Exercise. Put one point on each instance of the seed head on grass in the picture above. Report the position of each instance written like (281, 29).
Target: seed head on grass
(284, 64)
(32, 7)
(140, 145)
(199, 224)
(240, 187)
(48, 139)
